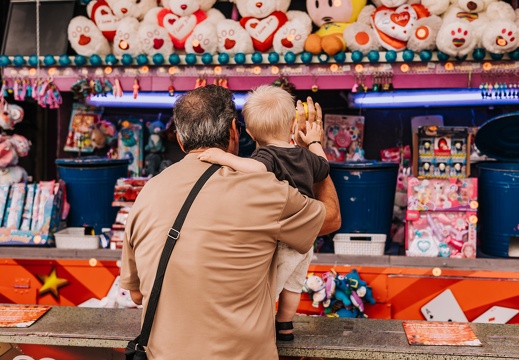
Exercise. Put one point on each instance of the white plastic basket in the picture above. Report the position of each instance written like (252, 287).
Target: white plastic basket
(359, 244)
(74, 238)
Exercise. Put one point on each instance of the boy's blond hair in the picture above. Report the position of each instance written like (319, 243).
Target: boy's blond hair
(269, 113)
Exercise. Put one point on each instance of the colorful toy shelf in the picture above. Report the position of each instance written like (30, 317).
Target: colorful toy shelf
(403, 69)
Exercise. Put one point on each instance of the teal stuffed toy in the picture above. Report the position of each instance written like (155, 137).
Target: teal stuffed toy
(155, 144)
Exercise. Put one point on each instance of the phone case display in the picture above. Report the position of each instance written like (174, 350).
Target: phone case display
(32, 213)
(130, 139)
(443, 152)
(82, 120)
(454, 194)
(444, 234)
(343, 137)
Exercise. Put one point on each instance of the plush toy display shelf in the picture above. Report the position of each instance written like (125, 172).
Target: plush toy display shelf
(316, 74)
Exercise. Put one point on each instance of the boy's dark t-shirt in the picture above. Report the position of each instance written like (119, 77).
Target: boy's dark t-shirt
(299, 166)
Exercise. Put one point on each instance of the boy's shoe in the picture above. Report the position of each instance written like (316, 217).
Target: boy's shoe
(284, 326)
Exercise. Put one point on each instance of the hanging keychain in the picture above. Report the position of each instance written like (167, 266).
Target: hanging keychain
(118, 91)
(135, 88)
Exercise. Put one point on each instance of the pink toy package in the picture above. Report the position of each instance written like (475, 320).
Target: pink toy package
(444, 234)
(453, 194)
(343, 136)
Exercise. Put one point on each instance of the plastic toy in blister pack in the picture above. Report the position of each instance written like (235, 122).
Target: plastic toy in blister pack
(453, 194)
(343, 137)
(445, 234)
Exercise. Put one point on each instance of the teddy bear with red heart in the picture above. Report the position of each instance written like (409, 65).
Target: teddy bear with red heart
(191, 24)
(268, 25)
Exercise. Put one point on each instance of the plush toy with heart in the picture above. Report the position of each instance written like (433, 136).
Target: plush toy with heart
(332, 18)
(395, 20)
(102, 15)
(396, 25)
(85, 37)
(488, 24)
(269, 26)
(191, 25)
(127, 40)
(155, 40)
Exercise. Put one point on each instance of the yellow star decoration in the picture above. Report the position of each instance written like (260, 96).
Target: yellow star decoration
(51, 283)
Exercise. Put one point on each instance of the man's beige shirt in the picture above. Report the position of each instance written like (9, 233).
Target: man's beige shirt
(217, 300)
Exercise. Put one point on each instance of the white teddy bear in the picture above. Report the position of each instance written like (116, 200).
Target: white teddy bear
(102, 15)
(396, 25)
(155, 40)
(127, 40)
(501, 33)
(85, 37)
(477, 23)
(191, 24)
(269, 25)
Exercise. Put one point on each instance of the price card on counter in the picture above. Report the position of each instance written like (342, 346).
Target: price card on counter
(440, 333)
(21, 315)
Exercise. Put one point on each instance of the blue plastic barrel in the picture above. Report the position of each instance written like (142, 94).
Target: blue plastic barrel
(90, 183)
(498, 192)
(366, 192)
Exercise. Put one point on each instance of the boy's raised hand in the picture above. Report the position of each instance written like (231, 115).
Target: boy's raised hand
(314, 133)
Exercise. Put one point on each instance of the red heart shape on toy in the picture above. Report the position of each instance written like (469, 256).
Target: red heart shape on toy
(287, 43)
(171, 21)
(104, 12)
(262, 31)
(229, 44)
(400, 19)
(84, 40)
(157, 43)
(394, 25)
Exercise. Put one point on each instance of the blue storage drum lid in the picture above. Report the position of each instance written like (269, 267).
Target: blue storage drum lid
(498, 138)
(92, 161)
(364, 165)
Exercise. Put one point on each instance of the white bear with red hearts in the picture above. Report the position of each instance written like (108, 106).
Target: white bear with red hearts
(394, 22)
(396, 25)
(268, 25)
(102, 15)
(191, 24)
(478, 23)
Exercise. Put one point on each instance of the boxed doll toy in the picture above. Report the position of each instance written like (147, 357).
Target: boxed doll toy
(343, 137)
(442, 152)
(453, 194)
(444, 234)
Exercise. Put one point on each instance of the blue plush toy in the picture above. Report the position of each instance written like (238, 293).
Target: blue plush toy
(351, 292)
(155, 144)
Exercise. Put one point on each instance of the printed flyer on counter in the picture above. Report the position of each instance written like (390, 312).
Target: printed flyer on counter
(440, 333)
(21, 315)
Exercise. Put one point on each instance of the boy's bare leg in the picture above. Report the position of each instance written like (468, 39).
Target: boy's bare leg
(287, 307)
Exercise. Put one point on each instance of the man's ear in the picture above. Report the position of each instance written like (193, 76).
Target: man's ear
(180, 143)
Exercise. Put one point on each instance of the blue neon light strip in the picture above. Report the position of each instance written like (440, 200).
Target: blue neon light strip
(159, 100)
(427, 98)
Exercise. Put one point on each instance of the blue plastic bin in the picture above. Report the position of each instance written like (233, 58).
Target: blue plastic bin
(366, 192)
(498, 191)
(498, 185)
(90, 183)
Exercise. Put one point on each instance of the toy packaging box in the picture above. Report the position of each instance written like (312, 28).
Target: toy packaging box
(32, 213)
(453, 194)
(83, 117)
(441, 152)
(343, 135)
(444, 234)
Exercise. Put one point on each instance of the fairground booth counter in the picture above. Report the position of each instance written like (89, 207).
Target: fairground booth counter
(421, 130)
